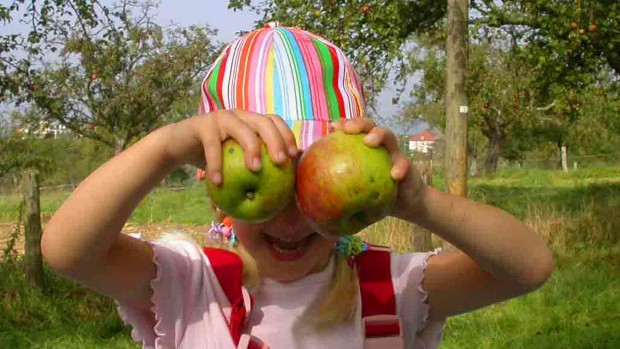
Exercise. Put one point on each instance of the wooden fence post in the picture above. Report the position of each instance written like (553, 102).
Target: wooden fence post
(33, 260)
(422, 240)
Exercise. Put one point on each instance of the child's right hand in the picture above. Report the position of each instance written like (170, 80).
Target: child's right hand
(198, 140)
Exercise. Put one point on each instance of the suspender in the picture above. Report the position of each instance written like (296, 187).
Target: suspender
(228, 269)
(382, 327)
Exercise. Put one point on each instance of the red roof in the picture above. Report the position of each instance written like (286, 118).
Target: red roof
(424, 136)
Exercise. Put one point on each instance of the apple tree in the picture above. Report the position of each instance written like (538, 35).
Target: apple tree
(570, 43)
(43, 20)
(120, 79)
(370, 32)
(499, 97)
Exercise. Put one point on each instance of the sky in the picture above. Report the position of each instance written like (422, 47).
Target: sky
(216, 14)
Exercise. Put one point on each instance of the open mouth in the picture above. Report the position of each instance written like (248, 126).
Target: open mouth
(288, 251)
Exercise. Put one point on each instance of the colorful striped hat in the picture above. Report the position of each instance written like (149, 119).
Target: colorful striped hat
(288, 72)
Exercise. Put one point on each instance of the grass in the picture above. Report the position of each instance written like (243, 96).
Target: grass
(187, 206)
(65, 316)
(577, 308)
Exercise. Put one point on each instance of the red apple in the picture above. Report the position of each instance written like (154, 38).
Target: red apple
(248, 195)
(343, 185)
(592, 27)
(365, 9)
(574, 25)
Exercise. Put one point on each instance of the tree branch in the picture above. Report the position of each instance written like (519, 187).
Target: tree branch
(547, 107)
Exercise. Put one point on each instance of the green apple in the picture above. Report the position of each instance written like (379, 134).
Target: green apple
(248, 195)
(343, 185)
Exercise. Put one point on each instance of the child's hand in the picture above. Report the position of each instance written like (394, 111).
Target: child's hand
(410, 188)
(200, 138)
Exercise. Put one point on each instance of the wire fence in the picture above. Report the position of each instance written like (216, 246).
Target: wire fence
(9, 184)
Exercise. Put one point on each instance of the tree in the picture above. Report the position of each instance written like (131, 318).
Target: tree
(44, 19)
(569, 43)
(122, 78)
(500, 89)
(572, 32)
(15, 151)
(370, 32)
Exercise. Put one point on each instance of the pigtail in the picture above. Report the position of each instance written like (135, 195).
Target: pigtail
(340, 302)
(251, 277)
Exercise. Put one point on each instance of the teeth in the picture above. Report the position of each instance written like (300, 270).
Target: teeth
(288, 247)
(282, 250)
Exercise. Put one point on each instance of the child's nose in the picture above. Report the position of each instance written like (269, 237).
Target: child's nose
(291, 223)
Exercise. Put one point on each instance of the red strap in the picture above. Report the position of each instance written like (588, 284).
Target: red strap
(377, 292)
(374, 330)
(228, 269)
(375, 277)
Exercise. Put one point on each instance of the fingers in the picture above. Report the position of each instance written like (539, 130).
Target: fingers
(251, 131)
(401, 167)
(353, 126)
(287, 135)
(270, 133)
(232, 126)
(211, 143)
(382, 136)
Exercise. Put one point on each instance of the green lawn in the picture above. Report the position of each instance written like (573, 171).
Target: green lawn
(187, 206)
(577, 308)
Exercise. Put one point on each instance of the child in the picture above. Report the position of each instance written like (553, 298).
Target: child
(283, 285)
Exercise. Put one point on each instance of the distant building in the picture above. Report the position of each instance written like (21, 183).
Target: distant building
(45, 129)
(422, 142)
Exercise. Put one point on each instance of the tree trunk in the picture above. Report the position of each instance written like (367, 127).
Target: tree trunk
(494, 149)
(456, 100)
(33, 259)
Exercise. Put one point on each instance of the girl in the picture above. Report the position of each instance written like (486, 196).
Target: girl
(284, 285)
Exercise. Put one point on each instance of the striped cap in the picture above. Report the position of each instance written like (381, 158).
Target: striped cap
(289, 72)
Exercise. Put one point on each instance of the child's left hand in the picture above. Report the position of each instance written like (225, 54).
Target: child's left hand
(410, 187)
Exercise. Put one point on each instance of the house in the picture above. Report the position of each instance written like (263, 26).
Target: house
(422, 142)
(44, 129)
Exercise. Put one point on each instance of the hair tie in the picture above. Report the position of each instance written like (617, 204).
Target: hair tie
(350, 246)
(223, 233)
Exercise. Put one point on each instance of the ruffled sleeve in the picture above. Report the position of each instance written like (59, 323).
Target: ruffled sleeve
(411, 301)
(181, 297)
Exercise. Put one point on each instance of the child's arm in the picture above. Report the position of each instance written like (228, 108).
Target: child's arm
(82, 240)
(501, 257)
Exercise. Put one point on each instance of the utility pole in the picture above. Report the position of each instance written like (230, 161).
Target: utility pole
(456, 97)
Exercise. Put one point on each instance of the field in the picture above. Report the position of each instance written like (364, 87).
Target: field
(577, 213)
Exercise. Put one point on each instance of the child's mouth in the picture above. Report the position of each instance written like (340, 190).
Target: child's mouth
(288, 251)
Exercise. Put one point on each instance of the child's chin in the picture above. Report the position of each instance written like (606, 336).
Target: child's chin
(288, 272)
